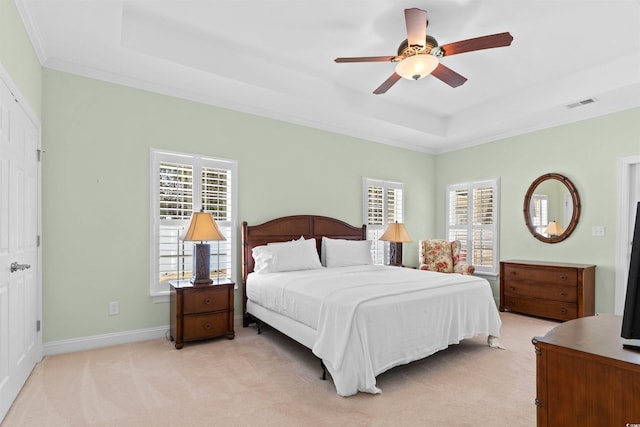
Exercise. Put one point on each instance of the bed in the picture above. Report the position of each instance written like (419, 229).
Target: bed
(359, 319)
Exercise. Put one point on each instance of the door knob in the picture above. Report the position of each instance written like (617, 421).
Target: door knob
(15, 266)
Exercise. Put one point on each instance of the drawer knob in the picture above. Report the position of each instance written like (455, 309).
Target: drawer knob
(207, 301)
(564, 294)
(513, 288)
(563, 311)
(563, 277)
(207, 326)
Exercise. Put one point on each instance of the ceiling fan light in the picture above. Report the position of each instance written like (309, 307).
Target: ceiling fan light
(417, 66)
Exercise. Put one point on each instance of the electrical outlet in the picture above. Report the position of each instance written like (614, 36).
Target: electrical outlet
(597, 231)
(114, 308)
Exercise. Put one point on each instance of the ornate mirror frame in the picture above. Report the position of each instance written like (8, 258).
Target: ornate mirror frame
(575, 214)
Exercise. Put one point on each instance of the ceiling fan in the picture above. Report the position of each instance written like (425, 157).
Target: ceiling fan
(418, 54)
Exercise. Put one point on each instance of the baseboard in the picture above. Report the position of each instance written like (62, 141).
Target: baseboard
(97, 341)
(106, 340)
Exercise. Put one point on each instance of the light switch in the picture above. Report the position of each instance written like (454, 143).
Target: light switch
(597, 231)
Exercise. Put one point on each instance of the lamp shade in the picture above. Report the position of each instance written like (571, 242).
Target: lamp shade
(417, 66)
(203, 228)
(395, 232)
(554, 229)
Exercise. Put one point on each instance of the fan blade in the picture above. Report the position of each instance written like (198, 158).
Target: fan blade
(416, 20)
(478, 43)
(448, 76)
(366, 59)
(387, 84)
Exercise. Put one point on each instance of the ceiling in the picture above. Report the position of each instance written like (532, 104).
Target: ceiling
(274, 58)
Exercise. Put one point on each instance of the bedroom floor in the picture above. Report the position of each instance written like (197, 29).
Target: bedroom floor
(269, 380)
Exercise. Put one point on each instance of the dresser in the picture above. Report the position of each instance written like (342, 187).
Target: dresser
(199, 312)
(560, 291)
(584, 378)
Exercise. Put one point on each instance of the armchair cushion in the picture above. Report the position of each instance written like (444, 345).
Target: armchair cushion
(435, 255)
(443, 256)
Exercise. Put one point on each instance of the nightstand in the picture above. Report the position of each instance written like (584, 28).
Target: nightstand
(200, 312)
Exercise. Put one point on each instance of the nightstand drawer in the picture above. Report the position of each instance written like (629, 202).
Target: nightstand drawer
(211, 298)
(561, 276)
(203, 326)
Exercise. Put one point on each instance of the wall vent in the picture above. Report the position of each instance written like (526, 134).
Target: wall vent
(583, 102)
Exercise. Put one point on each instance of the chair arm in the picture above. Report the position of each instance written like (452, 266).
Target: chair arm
(464, 269)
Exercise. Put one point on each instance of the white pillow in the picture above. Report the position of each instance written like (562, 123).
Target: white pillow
(286, 256)
(343, 253)
(264, 258)
(301, 239)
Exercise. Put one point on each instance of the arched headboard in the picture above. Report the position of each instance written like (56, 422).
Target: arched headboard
(291, 228)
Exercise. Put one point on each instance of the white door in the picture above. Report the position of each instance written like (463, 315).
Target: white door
(20, 288)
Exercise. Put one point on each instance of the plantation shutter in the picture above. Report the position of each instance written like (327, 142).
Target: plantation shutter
(472, 218)
(458, 218)
(216, 198)
(540, 212)
(182, 185)
(176, 206)
(483, 227)
(383, 203)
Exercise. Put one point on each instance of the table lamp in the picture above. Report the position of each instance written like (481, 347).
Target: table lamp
(202, 228)
(395, 234)
(554, 229)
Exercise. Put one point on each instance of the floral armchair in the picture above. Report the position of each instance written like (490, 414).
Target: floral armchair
(443, 256)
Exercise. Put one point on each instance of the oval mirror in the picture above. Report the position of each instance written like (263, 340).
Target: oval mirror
(551, 208)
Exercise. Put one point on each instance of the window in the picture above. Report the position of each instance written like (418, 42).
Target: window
(539, 212)
(182, 184)
(382, 204)
(472, 218)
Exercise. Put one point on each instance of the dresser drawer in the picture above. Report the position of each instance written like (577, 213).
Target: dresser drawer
(211, 298)
(203, 326)
(544, 308)
(563, 276)
(567, 293)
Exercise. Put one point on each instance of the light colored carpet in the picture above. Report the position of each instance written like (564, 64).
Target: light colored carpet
(269, 380)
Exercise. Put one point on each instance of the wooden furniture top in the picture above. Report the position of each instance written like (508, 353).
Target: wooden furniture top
(181, 284)
(547, 263)
(597, 335)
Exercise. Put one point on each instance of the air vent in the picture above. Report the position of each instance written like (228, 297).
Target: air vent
(581, 103)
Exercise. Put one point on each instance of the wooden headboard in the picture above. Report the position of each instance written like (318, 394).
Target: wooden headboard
(291, 228)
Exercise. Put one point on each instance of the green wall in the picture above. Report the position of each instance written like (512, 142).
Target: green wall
(97, 138)
(95, 178)
(587, 153)
(18, 57)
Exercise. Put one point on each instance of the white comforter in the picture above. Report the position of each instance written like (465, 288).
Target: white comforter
(369, 319)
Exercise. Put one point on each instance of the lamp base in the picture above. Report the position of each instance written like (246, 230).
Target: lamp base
(196, 282)
(201, 270)
(395, 254)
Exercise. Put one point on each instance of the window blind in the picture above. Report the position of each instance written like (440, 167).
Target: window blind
(383, 203)
(183, 184)
(472, 218)
(540, 212)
